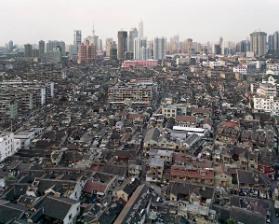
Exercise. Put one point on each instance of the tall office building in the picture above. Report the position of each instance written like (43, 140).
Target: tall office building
(110, 47)
(113, 51)
(140, 49)
(140, 33)
(28, 51)
(216, 49)
(149, 49)
(76, 44)
(109, 42)
(10, 46)
(258, 43)
(273, 43)
(270, 43)
(222, 45)
(228, 48)
(243, 46)
(35, 53)
(276, 42)
(159, 48)
(77, 37)
(41, 48)
(189, 46)
(133, 34)
(95, 41)
(53, 45)
(219, 47)
(173, 45)
(95, 38)
(100, 45)
(122, 44)
(86, 53)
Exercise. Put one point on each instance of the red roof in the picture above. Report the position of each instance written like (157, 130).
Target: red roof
(135, 117)
(231, 124)
(183, 172)
(201, 110)
(91, 186)
(181, 158)
(188, 119)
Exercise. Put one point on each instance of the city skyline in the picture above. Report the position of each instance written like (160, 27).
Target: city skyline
(110, 17)
(137, 111)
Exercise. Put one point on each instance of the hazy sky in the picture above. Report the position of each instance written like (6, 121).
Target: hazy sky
(31, 20)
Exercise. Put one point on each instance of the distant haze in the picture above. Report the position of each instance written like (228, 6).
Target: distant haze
(27, 21)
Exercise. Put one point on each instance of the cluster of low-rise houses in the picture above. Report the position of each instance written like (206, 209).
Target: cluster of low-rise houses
(183, 141)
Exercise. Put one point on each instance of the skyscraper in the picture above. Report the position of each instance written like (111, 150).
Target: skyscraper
(109, 42)
(159, 48)
(53, 45)
(95, 40)
(189, 46)
(76, 44)
(41, 48)
(140, 34)
(149, 50)
(216, 49)
(276, 42)
(35, 53)
(258, 43)
(28, 52)
(140, 49)
(243, 46)
(196, 47)
(10, 46)
(100, 45)
(173, 46)
(122, 44)
(77, 37)
(222, 46)
(86, 53)
(270, 43)
(133, 34)
(110, 47)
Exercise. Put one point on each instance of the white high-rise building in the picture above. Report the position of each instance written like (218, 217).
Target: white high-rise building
(97, 41)
(258, 43)
(174, 45)
(8, 145)
(267, 104)
(133, 34)
(159, 48)
(140, 49)
(77, 37)
(109, 43)
(141, 30)
(76, 44)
